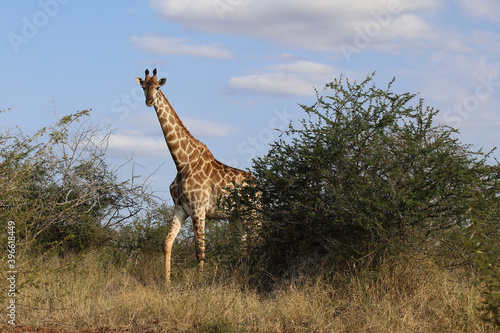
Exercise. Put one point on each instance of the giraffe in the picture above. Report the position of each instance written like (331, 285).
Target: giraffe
(201, 179)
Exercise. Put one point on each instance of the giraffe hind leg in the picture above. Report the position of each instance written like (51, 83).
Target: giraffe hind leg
(199, 234)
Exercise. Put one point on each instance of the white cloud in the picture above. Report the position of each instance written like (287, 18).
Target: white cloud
(202, 128)
(140, 142)
(486, 42)
(316, 24)
(410, 27)
(465, 87)
(306, 67)
(487, 9)
(298, 78)
(273, 83)
(137, 145)
(178, 46)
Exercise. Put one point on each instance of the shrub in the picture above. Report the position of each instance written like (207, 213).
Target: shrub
(58, 189)
(367, 173)
(482, 239)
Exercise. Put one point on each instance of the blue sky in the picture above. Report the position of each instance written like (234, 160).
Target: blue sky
(236, 69)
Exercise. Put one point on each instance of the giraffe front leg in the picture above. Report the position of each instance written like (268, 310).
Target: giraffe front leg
(199, 241)
(175, 227)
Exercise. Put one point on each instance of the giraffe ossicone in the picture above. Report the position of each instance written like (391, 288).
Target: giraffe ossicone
(201, 179)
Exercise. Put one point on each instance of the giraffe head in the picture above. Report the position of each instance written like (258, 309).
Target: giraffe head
(150, 85)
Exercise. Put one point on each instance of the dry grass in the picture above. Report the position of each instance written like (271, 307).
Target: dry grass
(404, 297)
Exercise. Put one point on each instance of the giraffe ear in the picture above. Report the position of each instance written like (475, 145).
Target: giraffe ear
(162, 81)
(140, 81)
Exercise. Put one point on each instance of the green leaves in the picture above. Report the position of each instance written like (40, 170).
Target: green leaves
(58, 188)
(367, 170)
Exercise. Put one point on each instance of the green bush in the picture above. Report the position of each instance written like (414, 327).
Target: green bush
(482, 239)
(366, 174)
(146, 232)
(57, 188)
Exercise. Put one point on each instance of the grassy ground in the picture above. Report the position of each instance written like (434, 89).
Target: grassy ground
(88, 292)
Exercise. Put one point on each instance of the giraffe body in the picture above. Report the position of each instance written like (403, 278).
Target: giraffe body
(201, 179)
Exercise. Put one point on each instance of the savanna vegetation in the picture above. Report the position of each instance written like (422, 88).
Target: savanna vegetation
(371, 217)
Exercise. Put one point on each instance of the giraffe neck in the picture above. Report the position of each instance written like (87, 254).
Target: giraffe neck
(186, 151)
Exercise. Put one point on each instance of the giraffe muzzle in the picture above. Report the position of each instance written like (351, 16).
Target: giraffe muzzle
(149, 102)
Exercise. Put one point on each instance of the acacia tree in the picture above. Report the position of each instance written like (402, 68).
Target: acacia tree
(57, 188)
(367, 172)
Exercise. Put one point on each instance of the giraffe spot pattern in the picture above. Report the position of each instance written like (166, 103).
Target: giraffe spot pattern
(200, 179)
